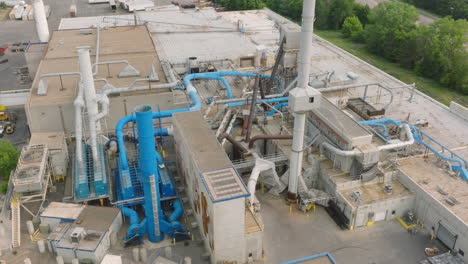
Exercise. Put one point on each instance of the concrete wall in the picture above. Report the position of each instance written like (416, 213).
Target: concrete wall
(432, 213)
(52, 221)
(383, 210)
(459, 110)
(229, 231)
(221, 223)
(14, 98)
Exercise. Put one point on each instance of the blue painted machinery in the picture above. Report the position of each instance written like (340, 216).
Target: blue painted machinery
(90, 181)
(161, 206)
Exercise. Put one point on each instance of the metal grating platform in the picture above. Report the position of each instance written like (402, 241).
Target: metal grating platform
(224, 184)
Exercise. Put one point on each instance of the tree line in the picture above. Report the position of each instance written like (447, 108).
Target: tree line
(436, 51)
(457, 9)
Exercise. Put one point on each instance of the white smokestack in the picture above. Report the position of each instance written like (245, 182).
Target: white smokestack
(41, 21)
(90, 97)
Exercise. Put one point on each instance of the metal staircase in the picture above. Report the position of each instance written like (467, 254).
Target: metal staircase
(15, 223)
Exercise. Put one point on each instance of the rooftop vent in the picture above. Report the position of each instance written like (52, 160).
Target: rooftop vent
(356, 196)
(129, 71)
(388, 189)
(77, 234)
(42, 87)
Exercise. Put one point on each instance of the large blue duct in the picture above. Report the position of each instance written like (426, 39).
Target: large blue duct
(126, 185)
(418, 136)
(149, 171)
(219, 76)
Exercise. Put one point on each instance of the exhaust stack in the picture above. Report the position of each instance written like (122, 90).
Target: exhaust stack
(42, 26)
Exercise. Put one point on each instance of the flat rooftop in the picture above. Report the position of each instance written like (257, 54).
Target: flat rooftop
(53, 141)
(97, 217)
(132, 44)
(63, 210)
(371, 193)
(428, 174)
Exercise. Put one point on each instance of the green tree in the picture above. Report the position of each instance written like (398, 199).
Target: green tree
(443, 54)
(390, 24)
(4, 187)
(294, 9)
(457, 9)
(351, 27)
(362, 12)
(339, 11)
(8, 158)
(322, 10)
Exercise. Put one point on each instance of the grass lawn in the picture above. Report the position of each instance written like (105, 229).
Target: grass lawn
(4, 13)
(425, 85)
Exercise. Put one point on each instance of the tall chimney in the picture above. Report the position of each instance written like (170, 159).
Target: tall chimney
(41, 21)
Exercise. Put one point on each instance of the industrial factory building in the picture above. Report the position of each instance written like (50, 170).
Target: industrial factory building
(196, 125)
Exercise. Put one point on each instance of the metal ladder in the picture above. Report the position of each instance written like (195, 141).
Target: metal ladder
(155, 205)
(15, 223)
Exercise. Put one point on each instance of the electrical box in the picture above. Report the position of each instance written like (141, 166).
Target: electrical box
(301, 100)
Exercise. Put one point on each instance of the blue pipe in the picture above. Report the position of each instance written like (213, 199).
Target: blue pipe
(277, 107)
(194, 76)
(219, 76)
(123, 162)
(135, 228)
(147, 158)
(373, 123)
(416, 134)
(302, 260)
(178, 211)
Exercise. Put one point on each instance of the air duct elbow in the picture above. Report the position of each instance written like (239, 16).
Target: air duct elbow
(178, 211)
(337, 151)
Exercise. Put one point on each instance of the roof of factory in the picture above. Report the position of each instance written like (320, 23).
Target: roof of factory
(213, 35)
(372, 193)
(53, 141)
(442, 185)
(132, 44)
(63, 210)
(220, 178)
(97, 217)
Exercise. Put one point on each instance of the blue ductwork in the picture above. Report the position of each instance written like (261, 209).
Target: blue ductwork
(178, 211)
(194, 76)
(126, 184)
(373, 123)
(277, 108)
(418, 136)
(307, 259)
(219, 76)
(135, 228)
(149, 171)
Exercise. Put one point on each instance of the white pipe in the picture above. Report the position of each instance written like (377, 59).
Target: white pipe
(104, 101)
(228, 129)
(349, 153)
(98, 44)
(224, 122)
(208, 110)
(400, 144)
(41, 21)
(90, 98)
(261, 165)
(79, 105)
(305, 54)
(337, 151)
